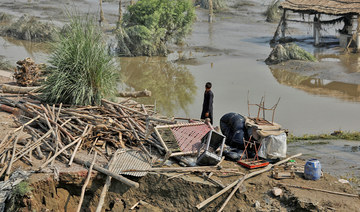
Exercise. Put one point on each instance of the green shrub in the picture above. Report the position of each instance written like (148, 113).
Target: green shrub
(351, 136)
(5, 64)
(22, 189)
(81, 70)
(31, 29)
(217, 4)
(150, 24)
(4, 17)
(273, 12)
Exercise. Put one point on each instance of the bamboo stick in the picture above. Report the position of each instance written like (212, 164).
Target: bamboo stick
(86, 183)
(8, 171)
(109, 173)
(107, 185)
(86, 131)
(322, 190)
(123, 107)
(267, 168)
(59, 152)
(4, 169)
(27, 123)
(33, 146)
(232, 193)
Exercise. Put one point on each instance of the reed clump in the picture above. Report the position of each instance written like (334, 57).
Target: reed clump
(81, 70)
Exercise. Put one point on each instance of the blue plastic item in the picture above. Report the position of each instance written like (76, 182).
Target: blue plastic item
(312, 169)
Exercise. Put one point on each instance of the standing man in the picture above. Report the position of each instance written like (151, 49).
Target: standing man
(207, 110)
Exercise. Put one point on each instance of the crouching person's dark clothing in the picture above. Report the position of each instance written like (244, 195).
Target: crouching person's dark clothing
(233, 127)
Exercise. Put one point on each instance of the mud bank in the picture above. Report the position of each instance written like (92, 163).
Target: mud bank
(325, 70)
(185, 192)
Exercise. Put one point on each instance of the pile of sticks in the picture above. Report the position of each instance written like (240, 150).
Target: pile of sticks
(59, 131)
(27, 73)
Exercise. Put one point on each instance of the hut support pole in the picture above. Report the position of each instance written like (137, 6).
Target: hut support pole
(283, 24)
(316, 28)
(358, 34)
(211, 13)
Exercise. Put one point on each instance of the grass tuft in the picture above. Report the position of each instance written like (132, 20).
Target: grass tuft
(22, 189)
(273, 12)
(81, 70)
(351, 136)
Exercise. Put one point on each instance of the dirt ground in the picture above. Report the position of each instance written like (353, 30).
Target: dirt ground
(183, 193)
(326, 70)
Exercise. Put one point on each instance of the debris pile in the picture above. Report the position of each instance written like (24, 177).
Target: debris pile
(125, 138)
(27, 73)
(59, 128)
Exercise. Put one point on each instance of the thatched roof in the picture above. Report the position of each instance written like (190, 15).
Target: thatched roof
(330, 7)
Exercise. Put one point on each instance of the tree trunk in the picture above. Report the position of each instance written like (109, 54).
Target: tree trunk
(118, 24)
(102, 18)
(17, 89)
(211, 13)
(144, 93)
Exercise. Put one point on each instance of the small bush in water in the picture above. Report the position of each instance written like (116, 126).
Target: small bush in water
(273, 12)
(150, 24)
(31, 29)
(81, 70)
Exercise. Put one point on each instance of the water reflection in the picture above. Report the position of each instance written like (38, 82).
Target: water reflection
(344, 91)
(172, 86)
(15, 50)
(30, 47)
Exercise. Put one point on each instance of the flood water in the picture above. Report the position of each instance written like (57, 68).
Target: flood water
(338, 157)
(230, 53)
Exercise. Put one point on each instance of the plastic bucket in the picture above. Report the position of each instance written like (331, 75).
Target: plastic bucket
(312, 169)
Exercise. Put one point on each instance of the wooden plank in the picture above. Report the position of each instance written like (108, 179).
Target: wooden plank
(213, 197)
(86, 183)
(109, 173)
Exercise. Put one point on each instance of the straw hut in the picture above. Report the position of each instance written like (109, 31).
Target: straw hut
(346, 11)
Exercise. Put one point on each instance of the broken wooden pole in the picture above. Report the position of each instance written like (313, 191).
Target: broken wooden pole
(135, 94)
(78, 144)
(316, 28)
(8, 171)
(267, 168)
(211, 11)
(86, 183)
(322, 190)
(283, 24)
(17, 89)
(109, 173)
(59, 152)
(106, 186)
(232, 193)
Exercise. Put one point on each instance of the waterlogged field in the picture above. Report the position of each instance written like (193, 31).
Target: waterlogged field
(229, 53)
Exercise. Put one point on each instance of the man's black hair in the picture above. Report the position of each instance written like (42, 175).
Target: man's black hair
(208, 85)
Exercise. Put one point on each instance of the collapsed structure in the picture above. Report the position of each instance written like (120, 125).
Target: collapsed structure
(346, 11)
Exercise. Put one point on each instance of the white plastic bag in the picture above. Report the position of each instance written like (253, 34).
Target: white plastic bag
(273, 147)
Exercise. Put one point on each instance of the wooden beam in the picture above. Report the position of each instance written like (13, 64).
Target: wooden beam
(109, 173)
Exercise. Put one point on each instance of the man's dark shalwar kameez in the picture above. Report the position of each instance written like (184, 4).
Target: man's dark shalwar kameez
(208, 105)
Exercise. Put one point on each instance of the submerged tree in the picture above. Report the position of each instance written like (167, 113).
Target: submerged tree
(81, 71)
(150, 24)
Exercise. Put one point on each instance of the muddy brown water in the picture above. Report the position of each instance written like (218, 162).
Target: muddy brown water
(230, 54)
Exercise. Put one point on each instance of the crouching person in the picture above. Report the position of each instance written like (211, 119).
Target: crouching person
(232, 125)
